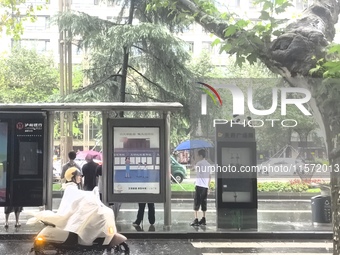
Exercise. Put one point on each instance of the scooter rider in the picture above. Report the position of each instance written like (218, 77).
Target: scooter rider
(81, 212)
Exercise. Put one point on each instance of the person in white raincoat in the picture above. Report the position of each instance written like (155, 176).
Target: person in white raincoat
(80, 212)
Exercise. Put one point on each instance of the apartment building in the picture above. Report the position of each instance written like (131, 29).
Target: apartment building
(44, 36)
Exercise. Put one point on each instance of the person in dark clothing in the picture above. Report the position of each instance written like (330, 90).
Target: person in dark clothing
(99, 171)
(140, 214)
(72, 156)
(17, 211)
(90, 173)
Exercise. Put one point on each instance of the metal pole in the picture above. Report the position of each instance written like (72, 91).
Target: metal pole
(105, 117)
(126, 60)
(167, 204)
(62, 144)
(49, 149)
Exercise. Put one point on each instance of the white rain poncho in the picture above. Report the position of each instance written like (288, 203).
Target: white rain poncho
(80, 212)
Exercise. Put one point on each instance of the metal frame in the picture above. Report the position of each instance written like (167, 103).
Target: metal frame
(104, 108)
(74, 107)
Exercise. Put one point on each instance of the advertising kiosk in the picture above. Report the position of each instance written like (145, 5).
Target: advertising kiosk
(22, 174)
(236, 176)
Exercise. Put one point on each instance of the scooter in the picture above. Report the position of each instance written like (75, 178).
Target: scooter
(52, 239)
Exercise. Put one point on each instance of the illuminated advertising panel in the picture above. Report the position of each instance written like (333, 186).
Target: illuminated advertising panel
(136, 167)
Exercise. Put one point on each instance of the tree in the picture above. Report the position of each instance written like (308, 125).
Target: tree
(14, 13)
(290, 52)
(157, 69)
(26, 77)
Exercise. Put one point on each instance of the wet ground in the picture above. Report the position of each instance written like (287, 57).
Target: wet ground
(198, 247)
(273, 216)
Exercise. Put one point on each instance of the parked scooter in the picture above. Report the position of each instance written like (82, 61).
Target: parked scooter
(52, 239)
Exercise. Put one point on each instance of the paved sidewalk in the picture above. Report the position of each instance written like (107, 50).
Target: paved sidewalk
(290, 219)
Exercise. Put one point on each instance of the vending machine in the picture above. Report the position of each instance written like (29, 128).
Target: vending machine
(236, 176)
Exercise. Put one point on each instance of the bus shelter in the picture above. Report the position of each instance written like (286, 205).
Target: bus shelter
(136, 153)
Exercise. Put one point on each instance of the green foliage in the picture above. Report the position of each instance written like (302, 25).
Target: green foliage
(14, 13)
(245, 39)
(26, 76)
(328, 67)
(276, 186)
(157, 60)
(186, 187)
(328, 89)
(273, 186)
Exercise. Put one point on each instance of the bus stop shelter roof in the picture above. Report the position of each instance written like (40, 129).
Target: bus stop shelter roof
(101, 106)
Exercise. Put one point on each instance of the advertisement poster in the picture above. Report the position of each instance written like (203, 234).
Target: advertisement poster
(3, 160)
(136, 160)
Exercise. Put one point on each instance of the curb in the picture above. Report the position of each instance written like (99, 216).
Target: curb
(205, 235)
(233, 235)
(260, 195)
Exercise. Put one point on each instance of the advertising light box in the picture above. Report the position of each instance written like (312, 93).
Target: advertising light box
(136, 168)
(136, 171)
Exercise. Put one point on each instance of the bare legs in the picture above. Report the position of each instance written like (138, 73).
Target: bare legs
(17, 215)
(17, 224)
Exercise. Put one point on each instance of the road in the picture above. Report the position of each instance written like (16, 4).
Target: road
(181, 247)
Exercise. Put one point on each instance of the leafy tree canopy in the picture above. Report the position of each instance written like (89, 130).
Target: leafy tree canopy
(14, 13)
(26, 76)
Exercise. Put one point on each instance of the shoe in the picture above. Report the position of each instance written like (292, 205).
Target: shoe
(194, 223)
(138, 228)
(135, 224)
(17, 225)
(152, 228)
(6, 225)
(202, 221)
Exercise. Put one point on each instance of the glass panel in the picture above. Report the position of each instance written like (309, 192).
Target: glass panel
(28, 158)
(3, 160)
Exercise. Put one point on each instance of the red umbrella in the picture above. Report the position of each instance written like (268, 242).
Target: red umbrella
(95, 154)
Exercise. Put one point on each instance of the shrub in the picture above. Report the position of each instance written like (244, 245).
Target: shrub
(292, 186)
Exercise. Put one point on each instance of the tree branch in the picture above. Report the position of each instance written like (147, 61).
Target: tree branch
(210, 23)
(297, 50)
(149, 97)
(303, 43)
(95, 84)
(147, 79)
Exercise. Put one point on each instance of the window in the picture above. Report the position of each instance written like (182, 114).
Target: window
(254, 6)
(206, 46)
(189, 47)
(76, 50)
(39, 45)
(234, 3)
(41, 23)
